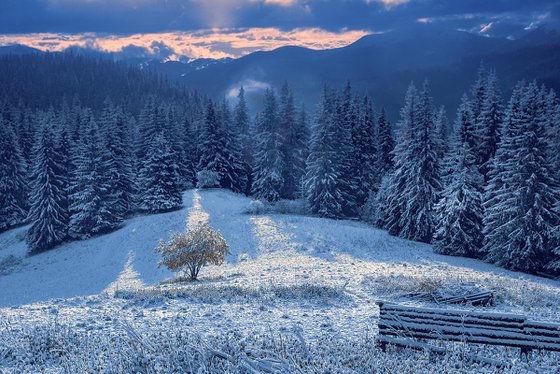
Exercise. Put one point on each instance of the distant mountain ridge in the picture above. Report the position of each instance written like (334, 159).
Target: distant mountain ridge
(381, 65)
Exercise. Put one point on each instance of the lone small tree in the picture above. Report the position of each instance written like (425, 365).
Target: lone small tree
(190, 251)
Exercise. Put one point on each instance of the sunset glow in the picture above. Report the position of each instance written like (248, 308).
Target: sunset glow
(211, 43)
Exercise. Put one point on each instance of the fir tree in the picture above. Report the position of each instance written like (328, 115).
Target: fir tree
(488, 123)
(415, 185)
(242, 125)
(347, 116)
(365, 152)
(386, 144)
(160, 178)
(528, 223)
(498, 214)
(234, 177)
(117, 160)
(459, 214)
(47, 214)
(479, 93)
(66, 150)
(13, 186)
(441, 128)
(268, 180)
(92, 207)
(465, 124)
(212, 147)
(324, 195)
(301, 151)
(150, 123)
(189, 153)
(291, 145)
(375, 210)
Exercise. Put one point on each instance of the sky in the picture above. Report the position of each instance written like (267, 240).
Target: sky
(184, 29)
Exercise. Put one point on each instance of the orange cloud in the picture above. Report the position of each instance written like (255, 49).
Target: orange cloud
(394, 2)
(281, 2)
(211, 43)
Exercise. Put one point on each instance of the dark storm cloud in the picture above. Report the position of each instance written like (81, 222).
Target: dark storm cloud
(142, 16)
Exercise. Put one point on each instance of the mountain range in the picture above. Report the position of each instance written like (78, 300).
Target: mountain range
(381, 65)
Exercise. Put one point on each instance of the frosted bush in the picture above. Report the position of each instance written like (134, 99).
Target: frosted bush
(297, 207)
(167, 347)
(207, 179)
(290, 207)
(256, 207)
(190, 251)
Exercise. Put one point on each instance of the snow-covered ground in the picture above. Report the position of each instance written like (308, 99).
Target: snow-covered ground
(296, 291)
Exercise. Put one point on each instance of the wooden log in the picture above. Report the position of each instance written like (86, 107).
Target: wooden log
(405, 322)
(465, 319)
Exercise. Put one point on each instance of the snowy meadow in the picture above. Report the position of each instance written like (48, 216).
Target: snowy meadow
(297, 294)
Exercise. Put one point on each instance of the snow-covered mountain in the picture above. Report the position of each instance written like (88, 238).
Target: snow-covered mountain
(384, 64)
(381, 65)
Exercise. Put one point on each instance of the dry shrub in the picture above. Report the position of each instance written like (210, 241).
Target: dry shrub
(190, 251)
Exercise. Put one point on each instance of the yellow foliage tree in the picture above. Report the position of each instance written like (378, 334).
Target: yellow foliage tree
(190, 251)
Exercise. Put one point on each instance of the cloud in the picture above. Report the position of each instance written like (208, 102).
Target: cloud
(210, 43)
(394, 2)
(249, 85)
(486, 27)
(389, 3)
(224, 13)
(157, 16)
(281, 2)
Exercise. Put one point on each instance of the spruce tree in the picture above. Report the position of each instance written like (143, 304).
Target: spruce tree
(347, 116)
(190, 161)
(498, 212)
(301, 151)
(488, 123)
(324, 194)
(13, 184)
(150, 123)
(459, 214)
(479, 93)
(365, 152)
(47, 214)
(528, 221)
(386, 144)
(117, 160)
(212, 147)
(268, 172)
(288, 128)
(67, 152)
(441, 128)
(234, 177)
(92, 206)
(415, 185)
(161, 190)
(242, 124)
(465, 124)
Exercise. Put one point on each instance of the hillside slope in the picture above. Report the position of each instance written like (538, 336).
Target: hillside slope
(281, 249)
(295, 291)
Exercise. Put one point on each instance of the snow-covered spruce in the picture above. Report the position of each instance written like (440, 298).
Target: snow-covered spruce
(48, 214)
(13, 184)
(268, 169)
(416, 183)
(521, 222)
(161, 188)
